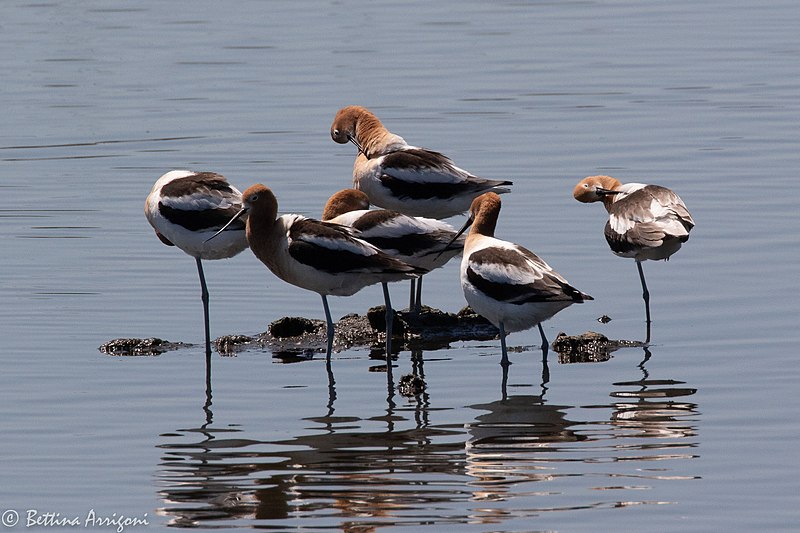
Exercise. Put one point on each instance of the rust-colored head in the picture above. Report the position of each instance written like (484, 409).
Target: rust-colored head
(343, 202)
(483, 213)
(596, 189)
(345, 125)
(486, 202)
(261, 208)
(359, 126)
(260, 203)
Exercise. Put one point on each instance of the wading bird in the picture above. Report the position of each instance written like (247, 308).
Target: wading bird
(506, 283)
(397, 176)
(644, 221)
(417, 241)
(185, 208)
(317, 256)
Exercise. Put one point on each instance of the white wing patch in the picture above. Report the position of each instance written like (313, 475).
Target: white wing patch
(519, 272)
(349, 218)
(627, 189)
(199, 202)
(406, 225)
(620, 224)
(339, 240)
(443, 171)
(425, 175)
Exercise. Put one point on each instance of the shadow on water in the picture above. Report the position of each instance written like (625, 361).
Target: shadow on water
(516, 458)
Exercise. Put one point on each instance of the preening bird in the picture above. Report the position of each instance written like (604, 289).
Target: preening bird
(185, 208)
(398, 176)
(644, 221)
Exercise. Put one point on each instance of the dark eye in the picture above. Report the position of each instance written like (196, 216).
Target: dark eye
(254, 197)
(336, 132)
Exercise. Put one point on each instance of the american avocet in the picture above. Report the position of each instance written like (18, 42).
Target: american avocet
(644, 221)
(505, 283)
(318, 256)
(185, 208)
(395, 175)
(418, 241)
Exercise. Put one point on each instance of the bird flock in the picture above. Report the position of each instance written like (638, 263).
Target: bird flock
(353, 246)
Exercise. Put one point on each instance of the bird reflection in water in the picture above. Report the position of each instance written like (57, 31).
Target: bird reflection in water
(504, 441)
(342, 470)
(198, 486)
(522, 446)
(400, 467)
(647, 408)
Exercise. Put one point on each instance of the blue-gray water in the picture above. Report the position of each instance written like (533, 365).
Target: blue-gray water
(101, 98)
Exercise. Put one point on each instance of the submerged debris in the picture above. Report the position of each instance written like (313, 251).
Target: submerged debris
(133, 346)
(411, 385)
(589, 347)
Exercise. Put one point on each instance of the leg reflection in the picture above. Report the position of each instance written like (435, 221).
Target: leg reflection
(331, 385)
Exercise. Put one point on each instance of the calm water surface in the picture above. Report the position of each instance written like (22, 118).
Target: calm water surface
(697, 433)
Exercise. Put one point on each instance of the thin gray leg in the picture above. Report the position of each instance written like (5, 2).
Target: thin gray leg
(545, 344)
(504, 360)
(329, 322)
(204, 297)
(418, 301)
(645, 292)
(389, 322)
(504, 383)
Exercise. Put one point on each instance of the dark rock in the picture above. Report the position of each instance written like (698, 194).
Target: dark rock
(589, 347)
(133, 346)
(605, 319)
(295, 338)
(376, 316)
(428, 329)
(294, 326)
(311, 336)
(354, 330)
(230, 344)
(431, 328)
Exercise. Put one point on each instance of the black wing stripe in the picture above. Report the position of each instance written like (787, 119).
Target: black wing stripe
(207, 219)
(342, 261)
